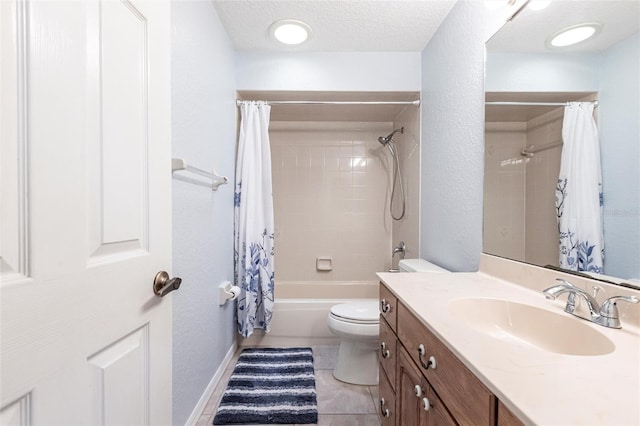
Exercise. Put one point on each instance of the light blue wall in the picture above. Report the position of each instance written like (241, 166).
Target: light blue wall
(541, 72)
(329, 71)
(204, 133)
(453, 138)
(619, 121)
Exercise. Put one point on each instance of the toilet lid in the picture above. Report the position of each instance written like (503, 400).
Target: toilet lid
(365, 312)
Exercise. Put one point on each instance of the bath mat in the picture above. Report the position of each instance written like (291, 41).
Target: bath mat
(270, 386)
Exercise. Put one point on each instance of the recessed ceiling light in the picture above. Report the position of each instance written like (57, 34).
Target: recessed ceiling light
(574, 34)
(290, 31)
(538, 4)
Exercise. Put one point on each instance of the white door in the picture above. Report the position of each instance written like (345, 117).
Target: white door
(85, 212)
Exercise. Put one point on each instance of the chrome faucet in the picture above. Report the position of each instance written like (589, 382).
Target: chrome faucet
(401, 248)
(605, 315)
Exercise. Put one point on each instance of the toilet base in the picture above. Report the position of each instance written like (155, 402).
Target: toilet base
(357, 362)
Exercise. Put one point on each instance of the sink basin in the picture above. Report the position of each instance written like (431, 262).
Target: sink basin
(532, 326)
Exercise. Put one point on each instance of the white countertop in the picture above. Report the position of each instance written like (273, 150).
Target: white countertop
(538, 386)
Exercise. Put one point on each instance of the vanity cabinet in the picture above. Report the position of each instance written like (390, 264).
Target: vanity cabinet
(430, 385)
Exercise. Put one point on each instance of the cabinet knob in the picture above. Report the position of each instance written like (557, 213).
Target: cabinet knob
(384, 352)
(431, 363)
(418, 390)
(384, 411)
(426, 404)
(385, 307)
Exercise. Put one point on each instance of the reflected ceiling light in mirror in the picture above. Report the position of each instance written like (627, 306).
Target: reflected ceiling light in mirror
(574, 34)
(538, 4)
(290, 31)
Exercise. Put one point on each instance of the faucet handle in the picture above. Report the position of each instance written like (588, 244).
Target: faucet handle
(571, 299)
(609, 308)
(565, 282)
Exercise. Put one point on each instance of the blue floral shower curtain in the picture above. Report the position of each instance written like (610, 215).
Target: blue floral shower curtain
(254, 220)
(579, 192)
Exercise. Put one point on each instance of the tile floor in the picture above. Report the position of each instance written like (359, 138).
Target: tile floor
(339, 404)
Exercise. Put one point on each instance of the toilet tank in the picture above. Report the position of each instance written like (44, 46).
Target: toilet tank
(418, 265)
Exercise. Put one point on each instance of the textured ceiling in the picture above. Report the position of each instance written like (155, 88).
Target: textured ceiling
(338, 25)
(529, 30)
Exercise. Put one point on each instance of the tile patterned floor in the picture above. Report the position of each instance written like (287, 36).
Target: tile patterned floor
(339, 404)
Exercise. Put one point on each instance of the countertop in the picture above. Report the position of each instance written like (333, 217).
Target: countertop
(538, 386)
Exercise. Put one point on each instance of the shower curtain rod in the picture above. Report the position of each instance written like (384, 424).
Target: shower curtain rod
(533, 103)
(416, 103)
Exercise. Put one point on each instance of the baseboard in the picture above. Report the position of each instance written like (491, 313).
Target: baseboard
(215, 381)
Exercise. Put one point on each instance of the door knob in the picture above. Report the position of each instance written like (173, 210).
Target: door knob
(162, 284)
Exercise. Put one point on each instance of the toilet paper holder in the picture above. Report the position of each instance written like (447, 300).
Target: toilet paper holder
(227, 291)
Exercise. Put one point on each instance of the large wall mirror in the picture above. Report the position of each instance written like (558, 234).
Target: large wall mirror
(528, 81)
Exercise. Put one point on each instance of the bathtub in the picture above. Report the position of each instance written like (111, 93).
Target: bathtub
(300, 312)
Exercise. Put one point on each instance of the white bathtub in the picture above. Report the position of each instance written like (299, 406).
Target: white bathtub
(300, 312)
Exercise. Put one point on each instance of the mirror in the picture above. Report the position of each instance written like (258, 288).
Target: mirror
(519, 196)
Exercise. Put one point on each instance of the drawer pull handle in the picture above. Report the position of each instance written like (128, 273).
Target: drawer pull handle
(383, 409)
(384, 352)
(432, 360)
(418, 390)
(385, 307)
(426, 404)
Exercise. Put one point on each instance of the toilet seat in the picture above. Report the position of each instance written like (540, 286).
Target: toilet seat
(357, 312)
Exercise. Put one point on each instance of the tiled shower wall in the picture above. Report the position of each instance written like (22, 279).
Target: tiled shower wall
(504, 186)
(331, 184)
(541, 235)
(519, 209)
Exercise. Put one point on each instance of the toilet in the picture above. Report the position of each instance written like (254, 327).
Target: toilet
(358, 326)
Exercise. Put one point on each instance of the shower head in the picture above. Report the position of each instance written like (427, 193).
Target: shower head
(384, 140)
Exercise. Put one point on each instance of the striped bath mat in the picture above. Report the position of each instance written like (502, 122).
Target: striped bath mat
(270, 386)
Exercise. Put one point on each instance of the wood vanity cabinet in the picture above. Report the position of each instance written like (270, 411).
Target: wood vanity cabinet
(423, 382)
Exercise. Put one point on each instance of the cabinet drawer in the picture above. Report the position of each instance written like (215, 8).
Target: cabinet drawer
(468, 400)
(388, 352)
(388, 306)
(386, 401)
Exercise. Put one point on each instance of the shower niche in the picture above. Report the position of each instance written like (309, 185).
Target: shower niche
(332, 182)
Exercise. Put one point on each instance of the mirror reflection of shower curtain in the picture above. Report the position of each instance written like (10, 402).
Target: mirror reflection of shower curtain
(579, 198)
(254, 225)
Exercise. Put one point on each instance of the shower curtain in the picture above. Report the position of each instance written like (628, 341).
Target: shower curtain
(254, 225)
(579, 198)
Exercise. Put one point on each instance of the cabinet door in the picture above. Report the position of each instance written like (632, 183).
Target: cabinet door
(412, 388)
(438, 414)
(387, 402)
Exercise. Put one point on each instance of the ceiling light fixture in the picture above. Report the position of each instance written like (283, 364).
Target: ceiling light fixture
(574, 34)
(538, 4)
(290, 31)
